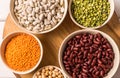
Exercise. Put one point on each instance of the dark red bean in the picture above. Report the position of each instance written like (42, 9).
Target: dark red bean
(93, 62)
(99, 61)
(77, 45)
(65, 57)
(91, 69)
(80, 76)
(99, 55)
(85, 70)
(68, 53)
(67, 68)
(89, 61)
(97, 73)
(91, 50)
(78, 36)
(96, 42)
(84, 74)
(78, 66)
(88, 56)
(74, 76)
(102, 73)
(75, 49)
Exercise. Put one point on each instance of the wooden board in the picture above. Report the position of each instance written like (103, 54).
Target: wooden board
(52, 41)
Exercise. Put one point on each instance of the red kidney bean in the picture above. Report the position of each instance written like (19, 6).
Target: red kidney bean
(88, 56)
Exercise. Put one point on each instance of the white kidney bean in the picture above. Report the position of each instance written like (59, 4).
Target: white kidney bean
(43, 13)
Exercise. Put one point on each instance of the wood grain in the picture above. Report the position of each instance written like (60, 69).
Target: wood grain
(51, 41)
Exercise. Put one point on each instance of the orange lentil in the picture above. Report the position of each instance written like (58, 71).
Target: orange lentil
(22, 52)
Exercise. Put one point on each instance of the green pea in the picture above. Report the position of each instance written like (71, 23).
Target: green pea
(90, 13)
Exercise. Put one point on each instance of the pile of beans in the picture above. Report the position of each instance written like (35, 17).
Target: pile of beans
(88, 56)
(90, 13)
(39, 15)
(49, 72)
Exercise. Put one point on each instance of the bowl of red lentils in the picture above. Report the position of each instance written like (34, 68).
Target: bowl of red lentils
(89, 54)
(91, 14)
(49, 71)
(21, 52)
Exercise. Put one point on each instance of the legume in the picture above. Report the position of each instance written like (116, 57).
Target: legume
(38, 15)
(22, 52)
(88, 56)
(90, 13)
(49, 72)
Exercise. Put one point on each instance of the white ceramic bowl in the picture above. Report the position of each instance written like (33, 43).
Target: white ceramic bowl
(111, 41)
(3, 47)
(50, 66)
(20, 26)
(108, 19)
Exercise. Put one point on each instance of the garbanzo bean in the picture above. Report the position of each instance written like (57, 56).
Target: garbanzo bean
(49, 72)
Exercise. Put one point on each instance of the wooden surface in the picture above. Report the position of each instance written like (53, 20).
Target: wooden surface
(52, 41)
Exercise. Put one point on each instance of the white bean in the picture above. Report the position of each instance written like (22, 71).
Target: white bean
(16, 3)
(34, 0)
(52, 23)
(20, 1)
(61, 2)
(27, 22)
(40, 14)
(45, 7)
(57, 1)
(59, 15)
(47, 27)
(30, 19)
(62, 9)
(46, 22)
(41, 17)
(52, 7)
(36, 28)
(29, 28)
(54, 20)
(31, 3)
(44, 1)
(49, 17)
(34, 23)
(53, 12)
(52, 1)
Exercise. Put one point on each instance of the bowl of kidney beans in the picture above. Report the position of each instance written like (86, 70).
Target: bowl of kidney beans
(89, 54)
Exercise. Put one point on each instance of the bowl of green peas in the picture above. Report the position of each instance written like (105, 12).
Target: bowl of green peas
(91, 14)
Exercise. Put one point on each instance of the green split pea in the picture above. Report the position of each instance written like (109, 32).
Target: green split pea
(90, 13)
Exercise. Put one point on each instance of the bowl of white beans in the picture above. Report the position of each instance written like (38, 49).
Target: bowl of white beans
(49, 72)
(38, 16)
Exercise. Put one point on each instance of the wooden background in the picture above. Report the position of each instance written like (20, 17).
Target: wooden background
(51, 41)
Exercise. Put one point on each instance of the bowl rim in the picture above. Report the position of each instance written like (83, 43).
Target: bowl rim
(50, 66)
(111, 41)
(11, 35)
(42, 32)
(112, 7)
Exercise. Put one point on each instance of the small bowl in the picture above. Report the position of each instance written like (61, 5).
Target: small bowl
(96, 27)
(49, 66)
(42, 32)
(3, 47)
(111, 41)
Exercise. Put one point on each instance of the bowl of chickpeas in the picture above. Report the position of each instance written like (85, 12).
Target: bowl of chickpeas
(91, 14)
(49, 72)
